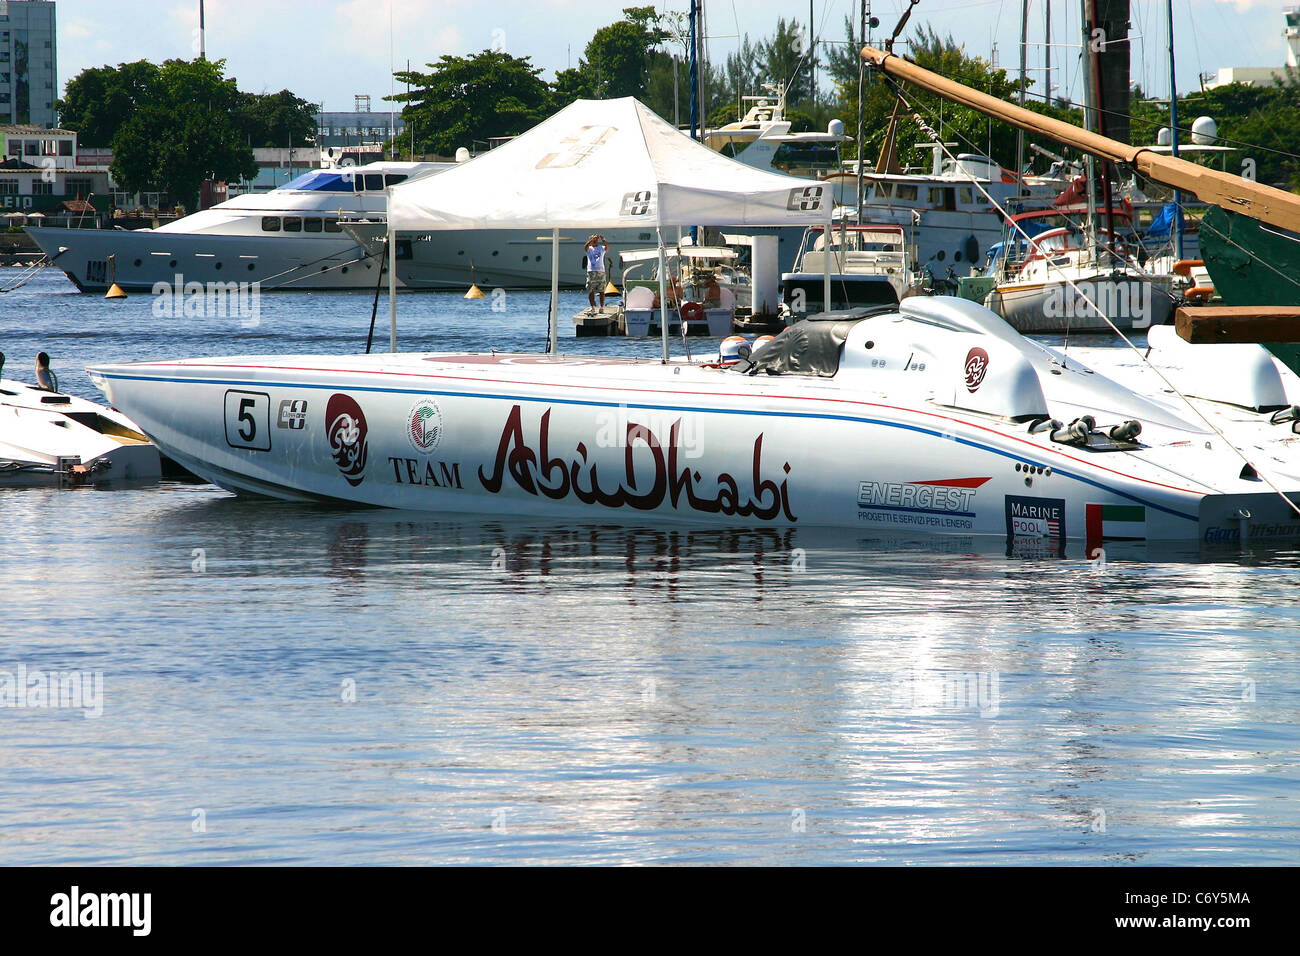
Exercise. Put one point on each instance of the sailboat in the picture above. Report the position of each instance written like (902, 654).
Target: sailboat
(1081, 278)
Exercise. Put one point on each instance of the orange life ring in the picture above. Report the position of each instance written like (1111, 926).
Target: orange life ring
(692, 312)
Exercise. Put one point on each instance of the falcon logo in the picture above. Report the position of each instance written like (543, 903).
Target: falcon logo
(345, 427)
(977, 364)
(805, 199)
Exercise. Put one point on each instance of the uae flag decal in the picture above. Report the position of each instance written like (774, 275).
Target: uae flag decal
(1115, 521)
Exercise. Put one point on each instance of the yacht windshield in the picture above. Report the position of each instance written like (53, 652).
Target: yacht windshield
(321, 180)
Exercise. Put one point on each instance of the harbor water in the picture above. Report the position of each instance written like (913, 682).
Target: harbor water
(276, 683)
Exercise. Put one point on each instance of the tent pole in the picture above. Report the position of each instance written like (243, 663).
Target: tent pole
(392, 287)
(553, 344)
(826, 277)
(663, 294)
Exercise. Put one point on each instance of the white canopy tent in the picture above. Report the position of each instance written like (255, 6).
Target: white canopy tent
(601, 164)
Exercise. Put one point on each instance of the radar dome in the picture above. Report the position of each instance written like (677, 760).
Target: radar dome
(1204, 131)
(462, 155)
(835, 127)
(1162, 137)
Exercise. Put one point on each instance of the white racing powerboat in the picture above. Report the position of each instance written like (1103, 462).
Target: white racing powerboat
(929, 415)
(1242, 390)
(49, 437)
(933, 415)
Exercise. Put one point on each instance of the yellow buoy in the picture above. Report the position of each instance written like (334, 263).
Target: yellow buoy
(475, 293)
(612, 289)
(115, 291)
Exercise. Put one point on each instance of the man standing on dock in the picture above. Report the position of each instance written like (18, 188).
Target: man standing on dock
(597, 275)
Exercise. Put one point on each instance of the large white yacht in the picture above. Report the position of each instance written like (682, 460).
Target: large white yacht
(288, 238)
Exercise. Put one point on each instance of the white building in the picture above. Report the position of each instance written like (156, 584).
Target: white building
(41, 170)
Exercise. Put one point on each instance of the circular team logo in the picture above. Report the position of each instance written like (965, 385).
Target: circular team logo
(977, 364)
(345, 427)
(424, 426)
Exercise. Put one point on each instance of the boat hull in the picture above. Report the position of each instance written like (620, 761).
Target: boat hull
(1130, 302)
(621, 440)
(144, 259)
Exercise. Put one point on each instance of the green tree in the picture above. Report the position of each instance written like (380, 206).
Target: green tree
(741, 70)
(182, 133)
(974, 131)
(616, 61)
(786, 61)
(842, 58)
(275, 119)
(462, 101)
(571, 84)
(1263, 123)
(98, 101)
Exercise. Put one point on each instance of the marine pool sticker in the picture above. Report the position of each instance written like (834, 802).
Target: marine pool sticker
(345, 428)
(1035, 517)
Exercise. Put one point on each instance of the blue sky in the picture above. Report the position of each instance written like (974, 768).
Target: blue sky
(327, 50)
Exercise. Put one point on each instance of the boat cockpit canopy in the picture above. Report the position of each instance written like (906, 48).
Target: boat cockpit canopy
(811, 347)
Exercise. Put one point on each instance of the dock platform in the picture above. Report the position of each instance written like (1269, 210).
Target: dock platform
(598, 321)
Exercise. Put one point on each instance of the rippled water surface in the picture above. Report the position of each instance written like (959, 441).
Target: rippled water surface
(293, 684)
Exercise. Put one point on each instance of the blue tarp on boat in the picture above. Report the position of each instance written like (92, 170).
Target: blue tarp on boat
(1162, 224)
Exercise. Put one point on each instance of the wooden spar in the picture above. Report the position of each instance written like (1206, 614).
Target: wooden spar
(1273, 206)
(1246, 323)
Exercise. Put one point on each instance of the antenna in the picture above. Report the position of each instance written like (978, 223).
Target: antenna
(392, 122)
(202, 28)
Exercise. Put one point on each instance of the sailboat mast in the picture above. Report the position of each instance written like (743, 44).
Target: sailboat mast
(695, 71)
(1047, 51)
(1173, 134)
(1089, 123)
(1020, 134)
(1096, 47)
(862, 74)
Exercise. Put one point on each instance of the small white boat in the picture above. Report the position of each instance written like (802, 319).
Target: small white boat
(50, 437)
(703, 283)
(1058, 280)
(871, 265)
(933, 416)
